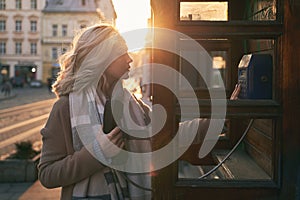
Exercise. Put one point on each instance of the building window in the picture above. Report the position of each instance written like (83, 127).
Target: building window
(18, 48)
(62, 51)
(2, 25)
(54, 30)
(83, 2)
(33, 4)
(33, 26)
(64, 30)
(18, 4)
(33, 48)
(18, 25)
(54, 53)
(2, 5)
(2, 48)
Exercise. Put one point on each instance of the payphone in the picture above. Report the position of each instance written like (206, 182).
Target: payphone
(255, 76)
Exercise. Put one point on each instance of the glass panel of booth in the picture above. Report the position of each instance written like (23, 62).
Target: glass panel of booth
(206, 11)
(211, 66)
(241, 152)
(205, 65)
(248, 10)
(252, 157)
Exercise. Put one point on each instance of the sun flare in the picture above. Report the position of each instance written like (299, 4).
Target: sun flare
(132, 14)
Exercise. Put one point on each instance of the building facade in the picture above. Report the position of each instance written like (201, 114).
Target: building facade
(61, 20)
(107, 11)
(33, 33)
(20, 40)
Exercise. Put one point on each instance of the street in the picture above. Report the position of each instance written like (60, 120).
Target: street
(21, 96)
(36, 114)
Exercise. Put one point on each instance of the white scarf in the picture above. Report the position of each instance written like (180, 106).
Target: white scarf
(88, 123)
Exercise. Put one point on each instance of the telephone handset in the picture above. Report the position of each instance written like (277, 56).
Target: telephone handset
(109, 122)
(255, 76)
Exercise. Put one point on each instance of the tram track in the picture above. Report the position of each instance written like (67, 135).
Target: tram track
(22, 123)
(17, 114)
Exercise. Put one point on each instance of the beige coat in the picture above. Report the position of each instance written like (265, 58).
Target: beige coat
(60, 165)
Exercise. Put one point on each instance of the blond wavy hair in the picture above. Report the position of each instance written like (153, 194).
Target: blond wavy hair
(84, 41)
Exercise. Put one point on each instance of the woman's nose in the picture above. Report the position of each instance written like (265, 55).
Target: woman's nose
(129, 59)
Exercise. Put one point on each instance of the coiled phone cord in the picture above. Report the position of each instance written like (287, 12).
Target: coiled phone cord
(209, 172)
(229, 154)
(135, 184)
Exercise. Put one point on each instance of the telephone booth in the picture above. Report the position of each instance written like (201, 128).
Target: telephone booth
(256, 153)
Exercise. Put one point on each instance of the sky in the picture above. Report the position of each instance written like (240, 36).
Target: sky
(131, 14)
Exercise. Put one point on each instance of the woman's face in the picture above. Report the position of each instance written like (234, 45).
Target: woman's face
(119, 68)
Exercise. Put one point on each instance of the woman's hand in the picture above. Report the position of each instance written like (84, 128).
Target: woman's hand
(111, 143)
(236, 92)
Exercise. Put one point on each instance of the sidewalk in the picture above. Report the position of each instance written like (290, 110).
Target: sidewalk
(27, 190)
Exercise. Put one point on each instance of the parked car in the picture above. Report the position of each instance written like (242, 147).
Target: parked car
(35, 83)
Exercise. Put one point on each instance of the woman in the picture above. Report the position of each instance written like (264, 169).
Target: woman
(97, 60)
(73, 140)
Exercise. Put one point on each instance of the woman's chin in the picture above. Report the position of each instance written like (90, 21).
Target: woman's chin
(125, 76)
